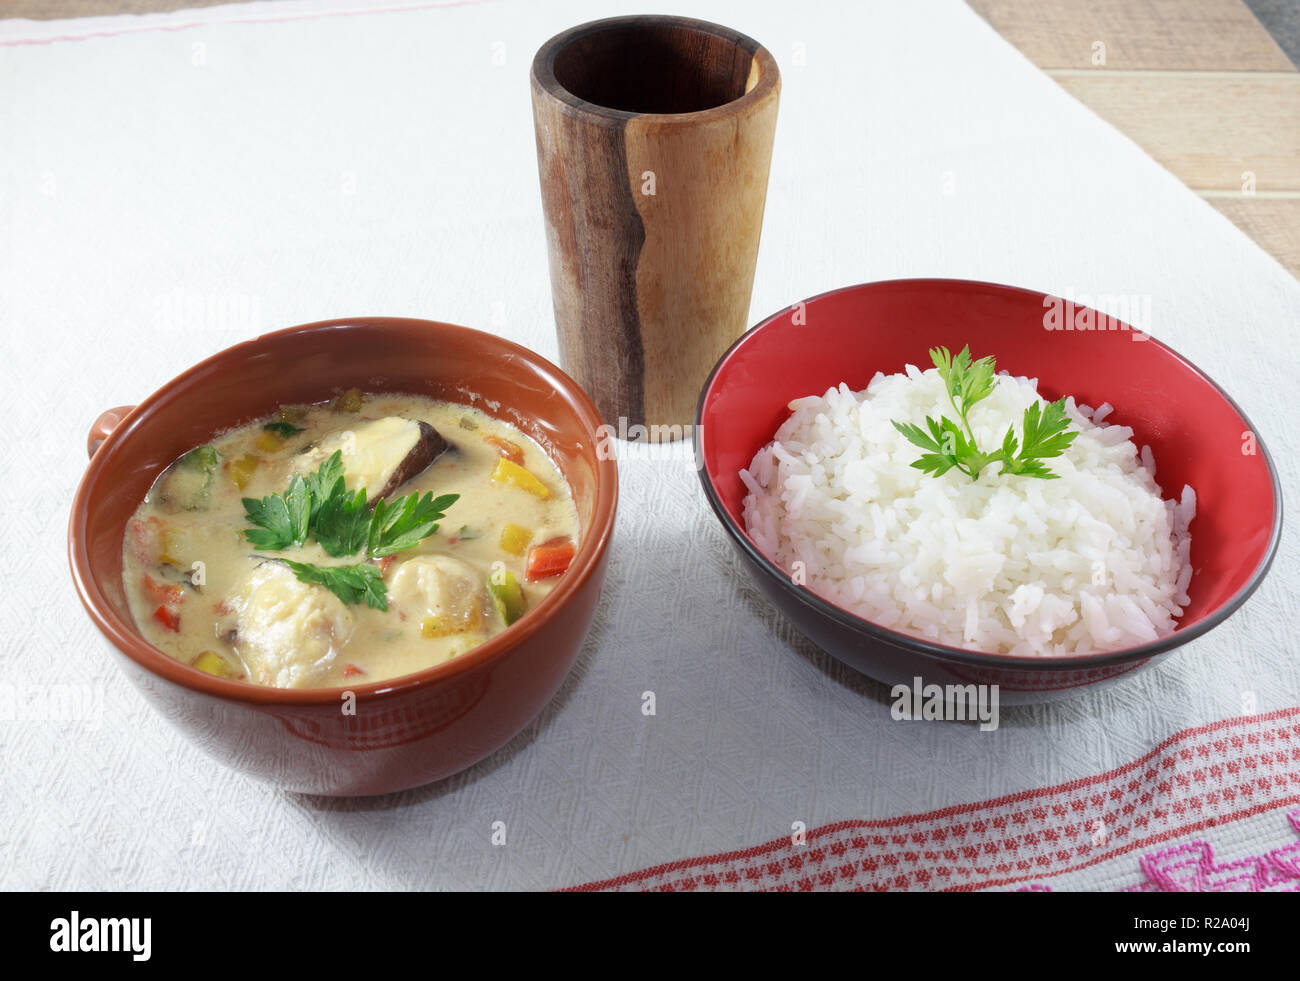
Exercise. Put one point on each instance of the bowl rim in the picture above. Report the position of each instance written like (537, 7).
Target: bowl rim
(944, 652)
(126, 637)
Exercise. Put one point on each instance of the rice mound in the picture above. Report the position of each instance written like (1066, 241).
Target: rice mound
(1092, 561)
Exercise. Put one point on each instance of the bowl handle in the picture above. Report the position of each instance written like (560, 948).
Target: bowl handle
(103, 427)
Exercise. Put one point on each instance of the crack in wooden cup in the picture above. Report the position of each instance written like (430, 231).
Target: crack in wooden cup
(654, 139)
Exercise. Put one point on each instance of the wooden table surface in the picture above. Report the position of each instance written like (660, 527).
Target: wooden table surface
(1199, 84)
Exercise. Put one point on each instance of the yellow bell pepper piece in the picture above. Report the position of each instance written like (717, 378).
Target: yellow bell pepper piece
(515, 538)
(173, 547)
(431, 627)
(268, 442)
(214, 664)
(241, 470)
(512, 473)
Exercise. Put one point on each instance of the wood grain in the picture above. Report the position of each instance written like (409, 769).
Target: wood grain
(1273, 223)
(1202, 87)
(702, 224)
(1208, 130)
(654, 138)
(1215, 35)
(593, 241)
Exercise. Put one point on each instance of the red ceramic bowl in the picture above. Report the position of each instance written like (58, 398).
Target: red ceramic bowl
(410, 730)
(1195, 431)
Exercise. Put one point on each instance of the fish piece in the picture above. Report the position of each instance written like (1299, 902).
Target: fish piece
(288, 632)
(380, 455)
(439, 588)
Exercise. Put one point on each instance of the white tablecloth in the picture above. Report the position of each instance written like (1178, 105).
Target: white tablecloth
(171, 184)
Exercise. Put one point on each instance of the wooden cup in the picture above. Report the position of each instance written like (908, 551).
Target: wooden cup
(654, 137)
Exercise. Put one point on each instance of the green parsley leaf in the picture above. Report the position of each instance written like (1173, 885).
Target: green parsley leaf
(951, 445)
(967, 382)
(343, 523)
(274, 529)
(405, 522)
(320, 505)
(282, 520)
(948, 448)
(283, 429)
(299, 501)
(326, 481)
(1045, 433)
(350, 583)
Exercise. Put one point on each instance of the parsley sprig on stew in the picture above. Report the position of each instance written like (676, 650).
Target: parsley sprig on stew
(319, 506)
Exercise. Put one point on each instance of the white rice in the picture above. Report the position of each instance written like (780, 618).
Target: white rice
(1092, 561)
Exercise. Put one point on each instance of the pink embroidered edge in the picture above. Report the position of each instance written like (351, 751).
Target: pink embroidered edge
(1190, 867)
(1051, 830)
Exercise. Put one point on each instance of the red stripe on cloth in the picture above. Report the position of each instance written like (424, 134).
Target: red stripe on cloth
(1197, 778)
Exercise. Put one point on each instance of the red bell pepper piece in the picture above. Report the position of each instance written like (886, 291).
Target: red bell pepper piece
(549, 559)
(168, 617)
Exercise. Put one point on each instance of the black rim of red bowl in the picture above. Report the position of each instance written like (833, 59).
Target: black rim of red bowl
(943, 652)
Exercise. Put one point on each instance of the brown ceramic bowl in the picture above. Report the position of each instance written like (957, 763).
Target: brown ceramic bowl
(406, 731)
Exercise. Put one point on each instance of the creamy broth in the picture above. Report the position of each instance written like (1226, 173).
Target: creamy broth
(244, 613)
